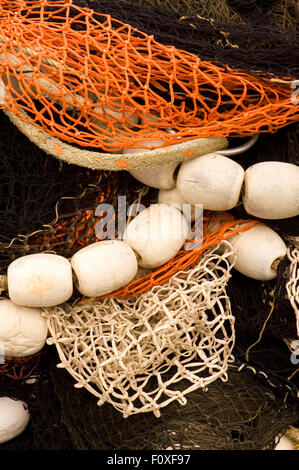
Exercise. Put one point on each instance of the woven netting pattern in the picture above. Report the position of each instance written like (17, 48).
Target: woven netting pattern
(239, 414)
(264, 39)
(292, 285)
(87, 85)
(133, 353)
(63, 215)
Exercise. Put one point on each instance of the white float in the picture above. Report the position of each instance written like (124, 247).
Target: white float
(103, 267)
(114, 112)
(172, 197)
(212, 180)
(23, 331)
(284, 443)
(272, 190)
(159, 177)
(14, 418)
(156, 234)
(40, 280)
(258, 252)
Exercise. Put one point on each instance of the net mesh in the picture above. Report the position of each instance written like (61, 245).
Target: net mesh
(215, 32)
(108, 85)
(241, 413)
(133, 353)
(266, 322)
(31, 183)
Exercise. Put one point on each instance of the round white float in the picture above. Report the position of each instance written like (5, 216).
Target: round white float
(40, 280)
(156, 234)
(160, 177)
(212, 180)
(103, 267)
(272, 190)
(23, 331)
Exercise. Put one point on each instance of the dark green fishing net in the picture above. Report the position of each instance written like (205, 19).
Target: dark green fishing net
(260, 398)
(240, 414)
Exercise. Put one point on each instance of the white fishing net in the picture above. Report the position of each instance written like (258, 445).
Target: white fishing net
(133, 353)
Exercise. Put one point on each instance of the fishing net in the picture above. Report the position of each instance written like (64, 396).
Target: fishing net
(214, 32)
(282, 13)
(106, 85)
(238, 414)
(267, 326)
(50, 95)
(31, 183)
(45, 430)
(19, 368)
(59, 204)
(133, 353)
(48, 206)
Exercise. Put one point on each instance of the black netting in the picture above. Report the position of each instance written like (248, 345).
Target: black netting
(240, 414)
(45, 430)
(234, 38)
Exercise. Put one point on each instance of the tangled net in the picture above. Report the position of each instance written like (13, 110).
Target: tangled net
(263, 38)
(133, 353)
(95, 82)
(281, 13)
(45, 430)
(20, 368)
(241, 413)
(266, 324)
(31, 183)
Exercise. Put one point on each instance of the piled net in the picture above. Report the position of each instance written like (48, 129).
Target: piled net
(20, 368)
(267, 324)
(257, 40)
(96, 82)
(213, 31)
(31, 183)
(239, 414)
(45, 430)
(281, 13)
(49, 206)
(134, 353)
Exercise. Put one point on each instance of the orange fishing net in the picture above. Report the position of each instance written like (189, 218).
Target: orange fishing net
(20, 368)
(96, 82)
